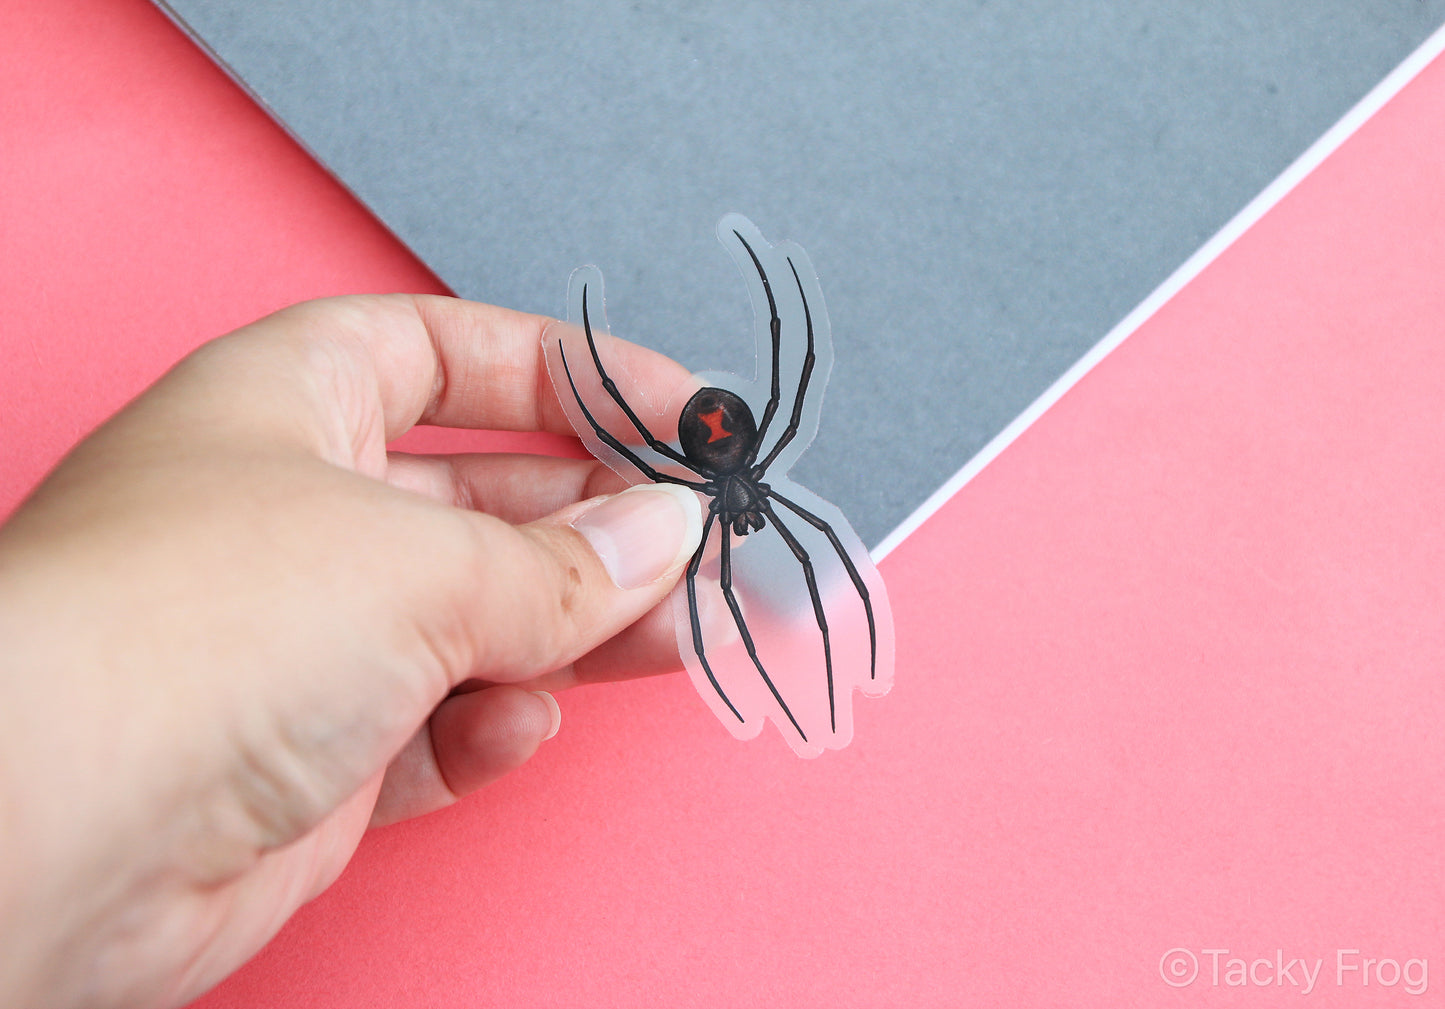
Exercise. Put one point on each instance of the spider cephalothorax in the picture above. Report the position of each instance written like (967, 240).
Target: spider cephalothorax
(717, 454)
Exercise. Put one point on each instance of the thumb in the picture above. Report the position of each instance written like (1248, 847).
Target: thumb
(554, 589)
(587, 572)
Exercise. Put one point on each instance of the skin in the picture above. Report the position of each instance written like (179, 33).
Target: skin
(237, 632)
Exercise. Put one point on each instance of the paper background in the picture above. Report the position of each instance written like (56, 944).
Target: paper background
(984, 188)
(1169, 668)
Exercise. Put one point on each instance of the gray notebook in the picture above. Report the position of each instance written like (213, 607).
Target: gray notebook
(984, 188)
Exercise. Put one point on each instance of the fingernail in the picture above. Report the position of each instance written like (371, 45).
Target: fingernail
(556, 711)
(644, 532)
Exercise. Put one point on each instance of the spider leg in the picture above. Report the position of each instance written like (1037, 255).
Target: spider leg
(658, 446)
(808, 361)
(726, 580)
(692, 616)
(848, 565)
(613, 443)
(803, 559)
(775, 326)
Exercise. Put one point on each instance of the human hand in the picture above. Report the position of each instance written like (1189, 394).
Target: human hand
(234, 631)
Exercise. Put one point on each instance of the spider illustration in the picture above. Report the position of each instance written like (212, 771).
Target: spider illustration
(739, 462)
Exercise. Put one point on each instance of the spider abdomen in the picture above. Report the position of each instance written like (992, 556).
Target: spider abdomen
(717, 432)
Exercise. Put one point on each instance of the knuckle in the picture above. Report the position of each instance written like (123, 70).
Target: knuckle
(570, 584)
(571, 590)
(551, 606)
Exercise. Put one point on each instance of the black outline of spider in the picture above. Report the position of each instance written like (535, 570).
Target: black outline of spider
(740, 498)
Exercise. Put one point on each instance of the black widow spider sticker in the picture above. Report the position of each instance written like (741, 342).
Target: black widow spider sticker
(781, 614)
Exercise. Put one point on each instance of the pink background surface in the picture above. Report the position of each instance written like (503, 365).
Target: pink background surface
(1169, 669)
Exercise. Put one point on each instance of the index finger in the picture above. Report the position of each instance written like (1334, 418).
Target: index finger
(457, 363)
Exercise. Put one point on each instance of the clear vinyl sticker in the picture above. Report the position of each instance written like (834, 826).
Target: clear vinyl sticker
(781, 615)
